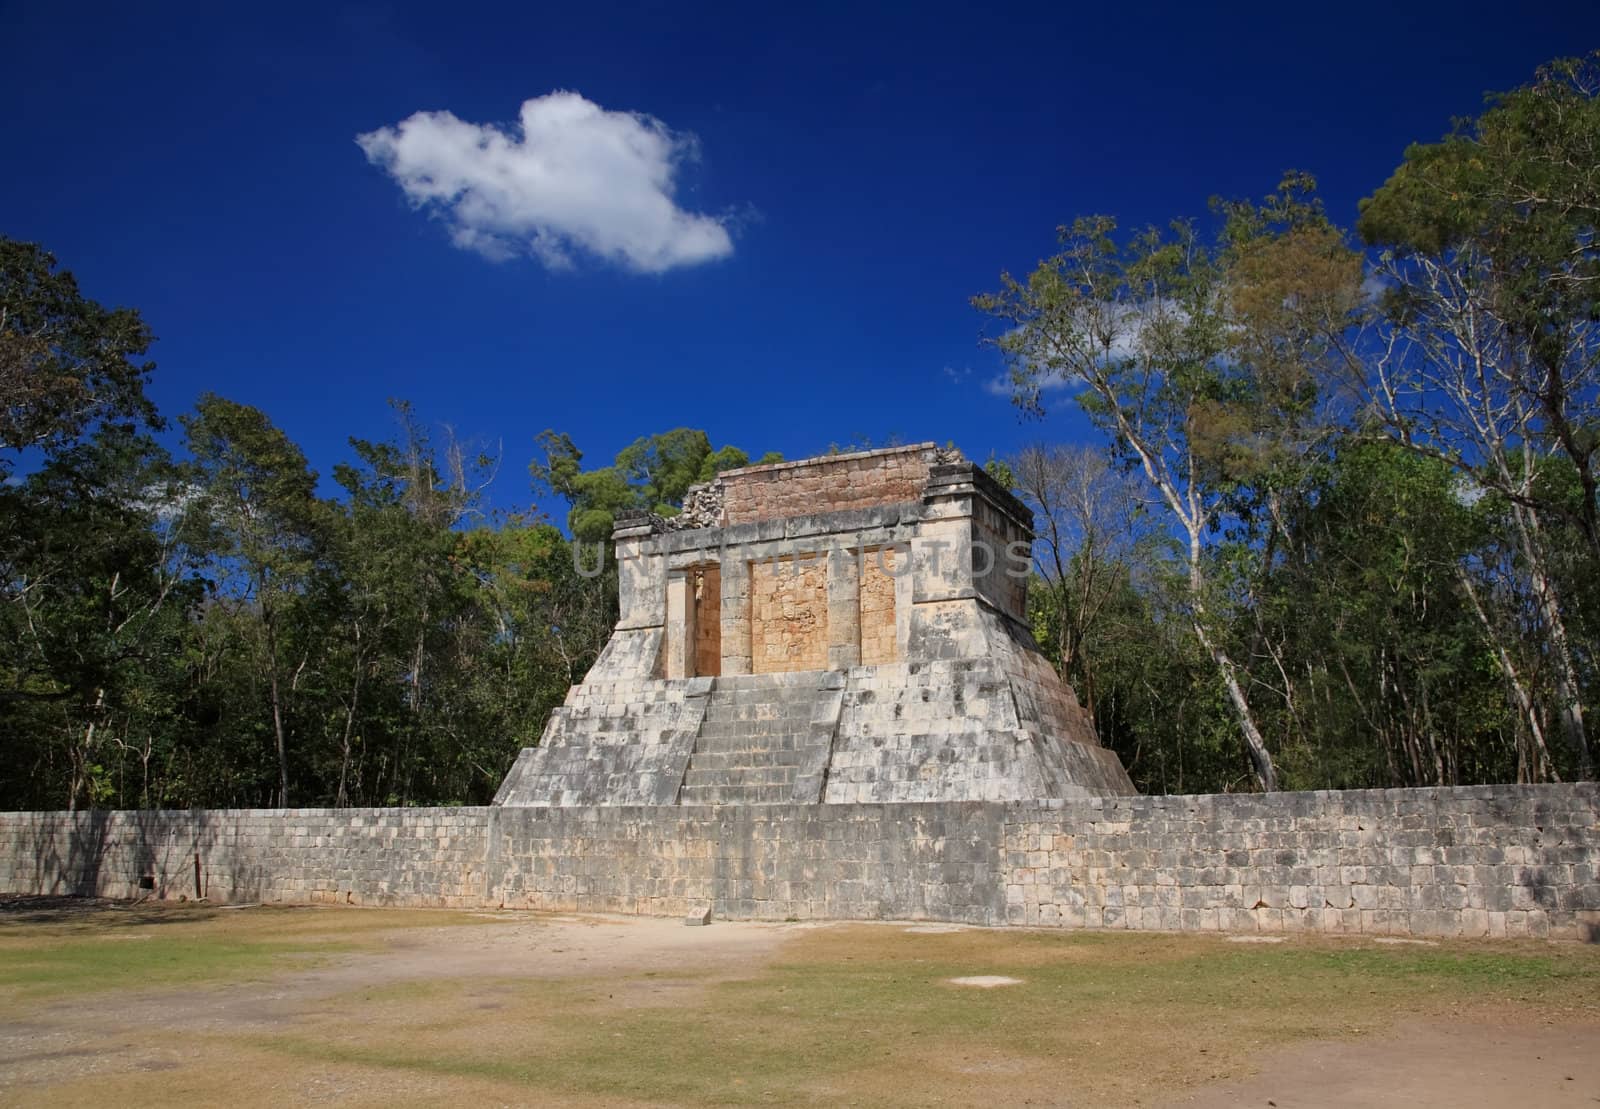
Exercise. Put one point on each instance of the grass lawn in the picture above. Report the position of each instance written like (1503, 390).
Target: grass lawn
(361, 1006)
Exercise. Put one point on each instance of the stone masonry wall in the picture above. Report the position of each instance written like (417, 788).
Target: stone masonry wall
(879, 638)
(1475, 861)
(1470, 861)
(789, 615)
(430, 857)
(708, 621)
(759, 862)
(835, 483)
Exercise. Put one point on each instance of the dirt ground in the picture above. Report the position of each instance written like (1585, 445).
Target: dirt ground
(1424, 1063)
(103, 1004)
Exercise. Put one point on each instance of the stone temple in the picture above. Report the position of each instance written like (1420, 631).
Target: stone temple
(844, 629)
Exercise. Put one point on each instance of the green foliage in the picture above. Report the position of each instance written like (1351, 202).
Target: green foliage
(1398, 590)
(217, 632)
(1382, 673)
(66, 363)
(1507, 206)
(1519, 177)
(651, 474)
(99, 586)
(1198, 357)
(1000, 470)
(1328, 540)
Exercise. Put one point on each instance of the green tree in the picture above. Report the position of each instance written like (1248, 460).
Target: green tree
(99, 581)
(66, 363)
(1193, 356)
(408, 601)
(1092, 533)
(1383, 669)
(1489, 353)
(651, 474)
(259, 500)
(93, 578)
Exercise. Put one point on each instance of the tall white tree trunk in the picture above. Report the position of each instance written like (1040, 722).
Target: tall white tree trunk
(1542, 770)
(1255, 745)
(1568, 690)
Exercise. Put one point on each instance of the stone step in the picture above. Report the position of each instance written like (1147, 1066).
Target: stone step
(756, 730)
(748, 759)
(721, 712)
(756, 734)
(730, 742)
(622, 710)
(763, 727)
(777, 706)
(740, 779)
(728, 795)
(795, 722)
(790, 679)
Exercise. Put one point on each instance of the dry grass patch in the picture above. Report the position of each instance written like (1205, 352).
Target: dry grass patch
(647, 1012)
(55, 952)
(869, 1012)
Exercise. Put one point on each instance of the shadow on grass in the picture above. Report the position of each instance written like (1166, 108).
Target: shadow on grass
(91, 913)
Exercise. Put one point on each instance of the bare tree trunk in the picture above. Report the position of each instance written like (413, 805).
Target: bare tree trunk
(1260, 759)
(414, 704)
(1566, 676)
(277, 713)
(80, 761)
(1554, 397)
(1255, 746)
(1568, 689)
(349, 723)
(415, 696)
(1541, 769)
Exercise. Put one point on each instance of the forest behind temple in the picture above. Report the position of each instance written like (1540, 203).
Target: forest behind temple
(1340, 527)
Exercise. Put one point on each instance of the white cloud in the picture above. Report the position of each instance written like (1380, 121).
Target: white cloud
(1001, 385)
(1118, 334)
(571, 178)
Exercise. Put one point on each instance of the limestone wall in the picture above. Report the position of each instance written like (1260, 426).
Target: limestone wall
(765, 862)
(931, 732)
(832, 483)
(620, 743)
(1477, 861)
(708, 620)
(1470, 861)
(880, 641)
(789, 615)
(429, 857)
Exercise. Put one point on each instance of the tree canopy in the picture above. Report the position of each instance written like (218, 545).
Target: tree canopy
(1337, 527)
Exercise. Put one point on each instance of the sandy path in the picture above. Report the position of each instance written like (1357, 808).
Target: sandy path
(1425, 1064)
(78, 1035)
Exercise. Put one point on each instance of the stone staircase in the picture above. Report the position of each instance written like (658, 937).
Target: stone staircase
(612, 743)
(764, 740)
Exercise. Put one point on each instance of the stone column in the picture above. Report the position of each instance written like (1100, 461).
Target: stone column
(904, 599)
(735, 616)
(844, 609)
(641, 575)
(680, 625)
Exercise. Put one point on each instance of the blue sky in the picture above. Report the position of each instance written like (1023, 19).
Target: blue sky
(788, 225)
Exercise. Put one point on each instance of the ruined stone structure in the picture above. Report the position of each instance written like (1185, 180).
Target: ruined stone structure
(822, 632)
(851, 628)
